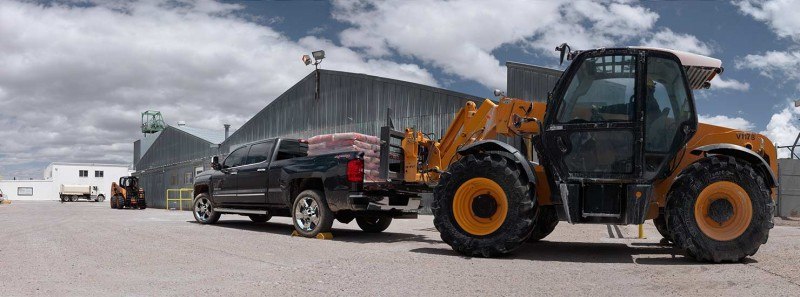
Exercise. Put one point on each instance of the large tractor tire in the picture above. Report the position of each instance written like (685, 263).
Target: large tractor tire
(545, 223)
(719, 210)
(203, 210)
(310, 214)
(661, 225)
(373, 224)
(483, 206)
(113, 202)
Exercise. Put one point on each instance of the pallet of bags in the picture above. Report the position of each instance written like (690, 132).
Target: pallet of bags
(341, 142)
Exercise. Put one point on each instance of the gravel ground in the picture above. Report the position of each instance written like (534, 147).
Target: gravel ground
(88, 249)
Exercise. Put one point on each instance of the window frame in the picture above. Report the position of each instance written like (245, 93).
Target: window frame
(83, 173)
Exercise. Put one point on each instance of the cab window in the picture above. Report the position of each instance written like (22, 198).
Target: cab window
(260, 152)
(291, 149)
(236, 157)
(602, 90)
(666, 104)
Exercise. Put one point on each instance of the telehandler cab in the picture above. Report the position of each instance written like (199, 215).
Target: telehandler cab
(617, 142)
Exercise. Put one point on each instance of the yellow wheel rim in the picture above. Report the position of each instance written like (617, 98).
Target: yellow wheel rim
(723, 211)
(480, 206)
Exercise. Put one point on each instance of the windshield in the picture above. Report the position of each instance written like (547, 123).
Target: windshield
(601, 90)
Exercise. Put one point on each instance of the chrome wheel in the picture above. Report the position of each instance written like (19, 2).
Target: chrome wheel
(306, 214)
(203, 209)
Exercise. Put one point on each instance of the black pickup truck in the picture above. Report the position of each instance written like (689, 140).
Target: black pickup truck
(275, 177)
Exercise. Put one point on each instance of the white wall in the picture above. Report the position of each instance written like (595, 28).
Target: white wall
(68, 174)
(59, 174)
(42, 189)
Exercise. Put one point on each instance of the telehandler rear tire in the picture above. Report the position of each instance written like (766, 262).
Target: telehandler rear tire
(483, 206)
(545, 223)
(719, 210)
(661, 225)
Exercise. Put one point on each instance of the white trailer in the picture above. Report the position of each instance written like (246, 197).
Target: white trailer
(74, 192)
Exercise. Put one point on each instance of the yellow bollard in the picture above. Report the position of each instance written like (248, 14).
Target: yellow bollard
(641, 231)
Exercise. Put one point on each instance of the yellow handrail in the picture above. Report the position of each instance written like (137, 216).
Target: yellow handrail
(180, 198)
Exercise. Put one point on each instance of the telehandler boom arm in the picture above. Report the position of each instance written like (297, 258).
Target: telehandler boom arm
(425, 158)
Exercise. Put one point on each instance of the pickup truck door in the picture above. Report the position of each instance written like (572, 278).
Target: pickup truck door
(225, 185)
(253, 175)
(287, 149)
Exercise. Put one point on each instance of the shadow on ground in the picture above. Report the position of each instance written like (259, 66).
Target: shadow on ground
(550, 251)
(345, 235)
(591, 252)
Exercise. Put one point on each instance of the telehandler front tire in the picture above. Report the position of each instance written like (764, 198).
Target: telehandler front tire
(545, 223)
(719, 210)
(483, 206)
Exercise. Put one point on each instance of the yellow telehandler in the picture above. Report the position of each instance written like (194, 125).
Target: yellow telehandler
(616, 142)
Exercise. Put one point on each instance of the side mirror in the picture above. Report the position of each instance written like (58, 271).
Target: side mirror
(498, 93)
(215, 163)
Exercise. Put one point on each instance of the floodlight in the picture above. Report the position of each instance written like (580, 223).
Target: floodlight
(318, 55)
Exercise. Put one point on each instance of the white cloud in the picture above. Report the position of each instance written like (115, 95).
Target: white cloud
(719, 83)
(782, 66)
(459, 37)
(684, 42)
(728, 122)
(783, 128)
(780, 15)
(74, 79)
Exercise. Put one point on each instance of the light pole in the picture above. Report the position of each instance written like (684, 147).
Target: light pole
(318, 56)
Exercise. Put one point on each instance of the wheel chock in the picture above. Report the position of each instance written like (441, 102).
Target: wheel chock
(323, 235)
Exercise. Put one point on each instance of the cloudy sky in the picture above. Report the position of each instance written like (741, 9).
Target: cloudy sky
(75, 75)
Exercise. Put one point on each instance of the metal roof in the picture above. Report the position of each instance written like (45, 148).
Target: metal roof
(212, 136)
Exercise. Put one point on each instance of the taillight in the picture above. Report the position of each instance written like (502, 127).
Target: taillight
(355, 170)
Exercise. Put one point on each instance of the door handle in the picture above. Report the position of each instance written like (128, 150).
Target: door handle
(234, 172)
(261, 169)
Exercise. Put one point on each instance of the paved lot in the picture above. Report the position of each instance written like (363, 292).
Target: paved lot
(83, 248)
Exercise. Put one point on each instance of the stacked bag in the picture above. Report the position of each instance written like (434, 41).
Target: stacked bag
(347, 142)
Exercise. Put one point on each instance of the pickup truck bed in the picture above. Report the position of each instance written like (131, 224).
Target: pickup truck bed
(274, 177)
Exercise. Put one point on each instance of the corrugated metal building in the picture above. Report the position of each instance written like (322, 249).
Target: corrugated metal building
(530, 82)
(341, 102)
(349, 102)
(172, 159)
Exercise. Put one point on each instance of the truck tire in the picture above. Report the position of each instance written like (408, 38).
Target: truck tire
(100, 198)
(483, 206)
(260, 218)
(120, 202)
(64, 198)
(661, 225)
(73, 198)
(203, 210)
(373, 224)
(719, 210)
(545, 223)
(310, 214)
